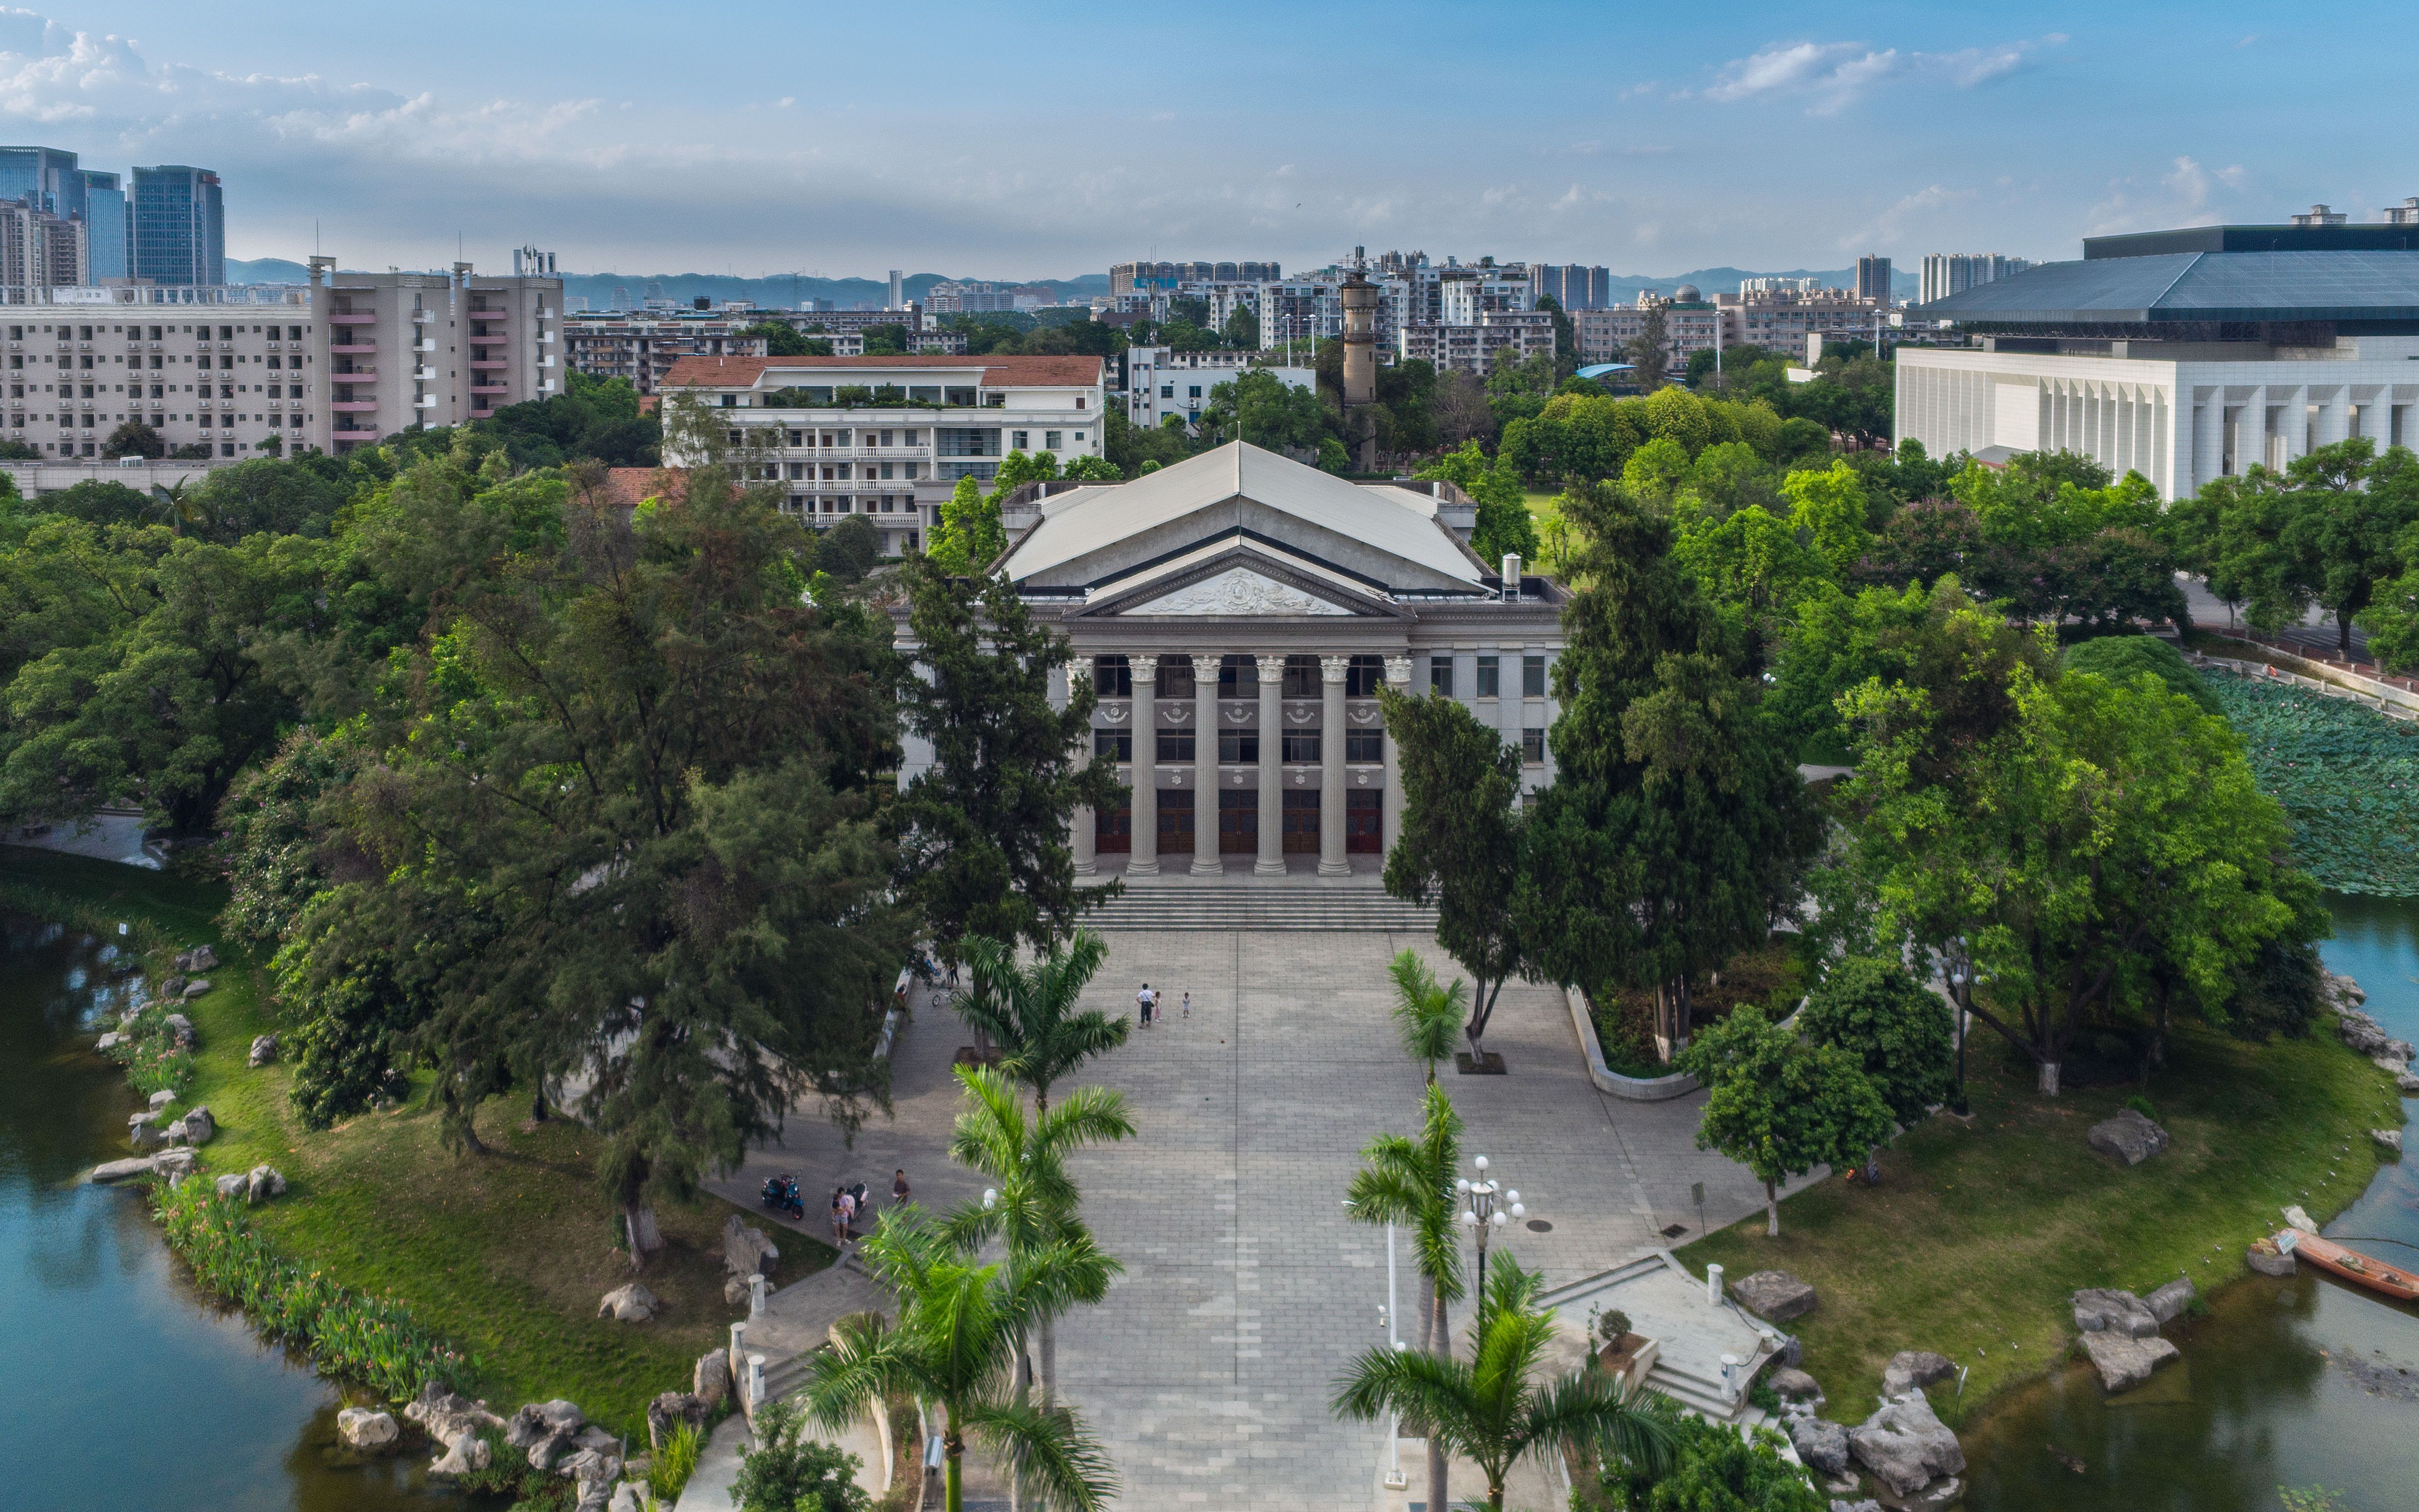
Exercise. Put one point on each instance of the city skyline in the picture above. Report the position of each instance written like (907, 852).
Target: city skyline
(1553, 132)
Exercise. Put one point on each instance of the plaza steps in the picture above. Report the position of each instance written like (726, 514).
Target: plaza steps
(1233, 906)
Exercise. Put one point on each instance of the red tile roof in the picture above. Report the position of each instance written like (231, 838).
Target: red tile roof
(994, 372)
(632, 486)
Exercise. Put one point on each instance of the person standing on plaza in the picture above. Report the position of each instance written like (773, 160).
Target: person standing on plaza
(839, 1216)
(1142, 1006)
(898, 1189)
(1188, 1002)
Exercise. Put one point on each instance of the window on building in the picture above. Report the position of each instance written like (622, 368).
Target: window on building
(1194, 391)
(1300, 746)
(1532, 677)
(1363, 676)
(1365, 745)
(1114, 743)
(1235, 746)
(1052, 440)
(1167, 391)
(1020, 440)
(1490, 677)
(1113, 677)
(1533, 745)
(1302, 677)
(1176, 745)
(1441, 675)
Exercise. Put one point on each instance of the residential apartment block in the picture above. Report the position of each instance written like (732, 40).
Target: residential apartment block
(1151, 277)
(1954, 272)
(353, 359)
(39, 251)
(1691, 323)
(888, 436)
(1572, 285)
(1780, 320)
(1161, 384)
(1475, 345)
(641, 350)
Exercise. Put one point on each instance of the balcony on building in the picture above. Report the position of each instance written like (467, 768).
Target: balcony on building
(497, 340)
(354, 406)
(356, 346)
(352, 318)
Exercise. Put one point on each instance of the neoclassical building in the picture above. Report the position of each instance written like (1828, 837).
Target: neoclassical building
(1237, 614)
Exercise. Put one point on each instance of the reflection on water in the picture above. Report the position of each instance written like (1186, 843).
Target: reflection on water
(125, 1392)
(2268, 1392)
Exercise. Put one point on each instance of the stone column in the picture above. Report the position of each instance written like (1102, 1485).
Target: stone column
(1080, 824)
(1398, 677)
(1332, 670)
(1509, 705)
(1206, 859)
(1271, 861)
(1143, 861)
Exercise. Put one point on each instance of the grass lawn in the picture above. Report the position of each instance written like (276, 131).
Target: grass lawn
(1977, 1235)
(505, 1254)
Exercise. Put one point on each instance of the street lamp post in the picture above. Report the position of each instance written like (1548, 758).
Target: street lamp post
(1961, 986)
(1485, 1206)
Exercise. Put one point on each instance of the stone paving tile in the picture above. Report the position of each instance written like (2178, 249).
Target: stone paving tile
(1208, 1370)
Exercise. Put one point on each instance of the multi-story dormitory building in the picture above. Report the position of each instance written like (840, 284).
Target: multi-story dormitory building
(352, 359)
(641, 350)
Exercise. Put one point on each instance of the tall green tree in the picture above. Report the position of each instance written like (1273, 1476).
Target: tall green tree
(1029, 1011)
(970, 536)
(953, 1346)
(1035, 1208)
(1427, 1014)
(1779, 1106)
(635, 791)
(1497, 1407)
(2352, 517)
(982, 831)
(1406, 1180)
(1462, 835)
(1504, 524)
(2096, 819)
(1678, 827)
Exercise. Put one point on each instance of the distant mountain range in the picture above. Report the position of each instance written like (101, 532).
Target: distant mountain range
(609, 291)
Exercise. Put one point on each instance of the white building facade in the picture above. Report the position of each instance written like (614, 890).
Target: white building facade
(1161, 384)
(1237, 614)
(2184, 356)
(889, 436)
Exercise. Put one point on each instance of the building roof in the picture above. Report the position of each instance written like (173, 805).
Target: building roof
(2196, 286)
(631, 486)
(1396, 520)
(991, 372)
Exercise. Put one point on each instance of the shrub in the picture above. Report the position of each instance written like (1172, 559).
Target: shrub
(372, 1340)
(1712, 1469)
(1610, 1326)
(786, 1468)
(2141, 1105)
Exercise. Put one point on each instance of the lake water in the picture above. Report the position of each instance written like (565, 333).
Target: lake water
(2268, 1393)
(126, 1392)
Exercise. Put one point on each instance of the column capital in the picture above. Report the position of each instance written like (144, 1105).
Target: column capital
(1143, 660)
(1398, 672)
(1269, 661)
(1204, 669)
(1079, 672)
(1333, 669)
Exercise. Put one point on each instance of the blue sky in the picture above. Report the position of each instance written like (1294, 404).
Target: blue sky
(1040, 141)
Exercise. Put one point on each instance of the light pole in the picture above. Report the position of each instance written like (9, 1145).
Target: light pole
(1961, 986)
(1483, 1213)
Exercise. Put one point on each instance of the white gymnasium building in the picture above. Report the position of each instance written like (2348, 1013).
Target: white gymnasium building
(2183, 355)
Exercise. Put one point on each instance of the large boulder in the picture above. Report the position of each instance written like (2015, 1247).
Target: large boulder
(2406, 1083)
(264, 1049)
(710, 1382)
(2388, 1140)
(119, 1171)
(195, 988)
(457, 1423)
(2129, 1136)
(631, 1303)
(2267, 1260)
(1776, 1295)
(746, 1250)
(2124, 1363)
(197, 1127)
(161, 1101)
(2099, 1310)
(182, 1028)
(1821, 1446)
(1791, 1384)
(2362, 1035)
(200, 958)
(589, 1467)
(667, 1412)
(628, 1497)
(1937, 1496)
(2168, 1303)
(232, 1185)
(735, 1292)
(262, 1183)
(146, 1137)
(1910, 1369)
(108, 1042)
(366, 1429)
(176, 1163)
(1905, 1446)
(171, 989)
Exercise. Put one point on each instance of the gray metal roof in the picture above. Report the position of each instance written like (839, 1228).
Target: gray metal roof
(2196, 286)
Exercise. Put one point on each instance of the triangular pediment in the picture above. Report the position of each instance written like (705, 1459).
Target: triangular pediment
(1237, 583)
(1236, 592)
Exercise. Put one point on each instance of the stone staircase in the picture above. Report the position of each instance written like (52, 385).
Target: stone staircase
(1242, 906)
(1691, 1334)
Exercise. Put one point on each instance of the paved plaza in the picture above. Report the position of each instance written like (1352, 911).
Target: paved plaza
(1209, 1369)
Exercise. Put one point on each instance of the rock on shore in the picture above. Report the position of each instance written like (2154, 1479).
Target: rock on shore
(1907, 1446)
(2125, 1363)
(2129, 1136)
(455, 1422)
(1776, 1295)
(366, 1429)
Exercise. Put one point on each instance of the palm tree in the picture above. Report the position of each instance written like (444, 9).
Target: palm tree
(1429, 1016)
(1487, 1408)
(1409, 1180)
(1036, 1203)
(954, 1346)
(1029, 1011)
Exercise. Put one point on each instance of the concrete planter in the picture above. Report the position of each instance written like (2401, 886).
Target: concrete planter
(1629, 1088)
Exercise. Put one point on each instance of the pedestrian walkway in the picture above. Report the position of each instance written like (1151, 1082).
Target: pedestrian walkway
(1207, 1371)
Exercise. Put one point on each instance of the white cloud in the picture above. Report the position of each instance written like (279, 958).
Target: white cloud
(1892, 225)
(1831, 76)
(2188, 194)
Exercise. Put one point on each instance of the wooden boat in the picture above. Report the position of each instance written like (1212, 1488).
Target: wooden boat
(2350, 1265)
